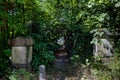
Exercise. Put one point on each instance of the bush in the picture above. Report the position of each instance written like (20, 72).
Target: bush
(42, 54)
(4, 62)
(21, 74)
(106, 71)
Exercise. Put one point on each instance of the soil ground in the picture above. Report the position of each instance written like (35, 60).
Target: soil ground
(69, 72)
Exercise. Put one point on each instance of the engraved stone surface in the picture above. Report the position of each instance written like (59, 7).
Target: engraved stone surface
(18, 55)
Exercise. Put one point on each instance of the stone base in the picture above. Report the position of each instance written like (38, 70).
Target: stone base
(60, 63)
(20, 66)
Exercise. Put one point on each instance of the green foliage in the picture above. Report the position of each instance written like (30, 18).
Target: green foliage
(98, 34)
(75, 60)
(21, 74)
(110, 70)
(41, 54)
(105, 71)
(4, 62)
(1, 40)
(73, 19)
(54, 25)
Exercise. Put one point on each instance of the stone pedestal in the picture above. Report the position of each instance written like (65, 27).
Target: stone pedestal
(21, 52)
(62, 58)
(61, 54)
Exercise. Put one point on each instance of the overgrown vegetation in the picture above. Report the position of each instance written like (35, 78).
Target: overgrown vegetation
(4, 62)
(110, 70)
(47, 20)
(21, 74)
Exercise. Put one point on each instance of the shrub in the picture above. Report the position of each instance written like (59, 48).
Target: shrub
(21, 74)
(4, 62)
(42, 54)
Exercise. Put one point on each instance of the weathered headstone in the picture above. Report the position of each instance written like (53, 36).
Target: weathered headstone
(21, 52)
(103, 48)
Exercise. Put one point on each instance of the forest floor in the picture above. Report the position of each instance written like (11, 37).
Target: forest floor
(69, 72)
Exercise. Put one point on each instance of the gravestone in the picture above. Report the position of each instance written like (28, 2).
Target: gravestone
(103, 48)
(61, 55)
(21, 52)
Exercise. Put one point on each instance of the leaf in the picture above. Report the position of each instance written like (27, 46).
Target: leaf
(101, 34)
(80, 15)
(94, 41)
(94, 30)
(117, 4)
